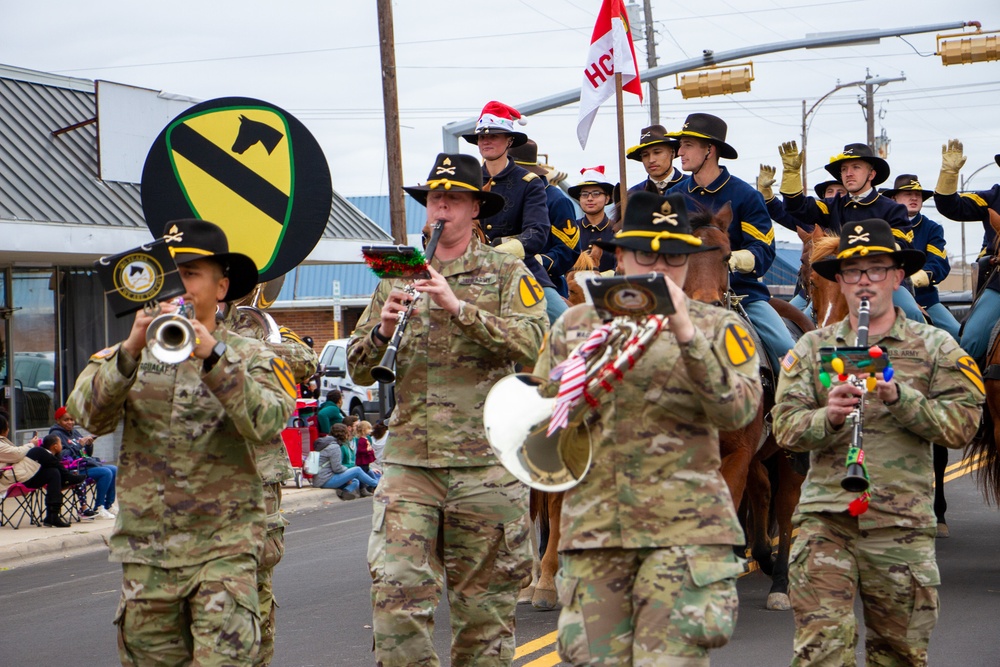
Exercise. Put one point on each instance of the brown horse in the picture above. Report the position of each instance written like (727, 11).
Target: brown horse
(829, 305)
(758, 474)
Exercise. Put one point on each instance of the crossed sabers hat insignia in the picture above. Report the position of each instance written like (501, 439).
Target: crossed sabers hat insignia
(665, 215)
(173, 235)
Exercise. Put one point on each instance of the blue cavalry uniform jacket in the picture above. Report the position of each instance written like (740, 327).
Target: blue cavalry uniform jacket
(833, 213)
(750, 230)
(563, 245)
(778, 214)
(603, 231)
(975, 206)
(928, 237)
(649, 186)
(524, 215)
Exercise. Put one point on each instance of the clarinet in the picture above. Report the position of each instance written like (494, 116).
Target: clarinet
(856, 479)
(384, 372)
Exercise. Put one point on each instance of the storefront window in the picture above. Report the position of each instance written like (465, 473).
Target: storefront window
(33, 343)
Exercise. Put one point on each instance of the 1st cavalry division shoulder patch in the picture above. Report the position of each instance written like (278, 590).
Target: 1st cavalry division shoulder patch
(530, 291)
(970, 369)
(740, 347)
(284, 374)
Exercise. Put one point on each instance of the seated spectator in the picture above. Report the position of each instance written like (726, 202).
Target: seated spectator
(330, 413)
(380, 436)
(21, 468)
(53, 476)
(365, 454)
(77, 446)
(333, 474)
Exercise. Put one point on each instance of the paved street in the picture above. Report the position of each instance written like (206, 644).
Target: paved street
(61, 610)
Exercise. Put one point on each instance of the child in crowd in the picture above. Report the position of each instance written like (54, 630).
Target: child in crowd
(380, 435)
(365, 455)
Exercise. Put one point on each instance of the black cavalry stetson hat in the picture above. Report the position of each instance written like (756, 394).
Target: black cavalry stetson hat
(868, 238)
(820, 188)
(906, 183)
(656, 224)
(526, 156)
(708, 127)
(462, 173)
(190, 239)
(651, 136)
(859, 152)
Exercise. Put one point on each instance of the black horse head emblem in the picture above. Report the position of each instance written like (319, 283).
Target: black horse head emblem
(252, 131)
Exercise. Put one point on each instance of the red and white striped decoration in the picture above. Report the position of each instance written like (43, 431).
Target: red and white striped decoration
(572, 374)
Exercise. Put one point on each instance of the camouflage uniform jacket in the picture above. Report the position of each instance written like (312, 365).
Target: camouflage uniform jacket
(940, 402)
(655, 479)
(272, 457)
(446, 365)
(188, 484)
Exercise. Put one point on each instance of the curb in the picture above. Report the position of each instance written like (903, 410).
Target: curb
(68, 545)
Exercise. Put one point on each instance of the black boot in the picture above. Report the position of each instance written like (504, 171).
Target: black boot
(52, 518)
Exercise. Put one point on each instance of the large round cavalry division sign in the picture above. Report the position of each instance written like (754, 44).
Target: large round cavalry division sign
(249, 167)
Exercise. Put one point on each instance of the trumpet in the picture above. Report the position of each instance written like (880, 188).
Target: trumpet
(385, 372)
(517, 418)
(170, 337)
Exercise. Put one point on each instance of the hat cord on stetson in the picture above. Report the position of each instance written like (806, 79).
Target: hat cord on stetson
(175, 250)
(447, 183)
(862, 250)
(654, 244)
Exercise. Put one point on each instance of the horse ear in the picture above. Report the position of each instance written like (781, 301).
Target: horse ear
(724, 216)
(818, 233)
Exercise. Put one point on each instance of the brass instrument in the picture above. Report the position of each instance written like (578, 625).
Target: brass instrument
(253, 305)
(385, 371)
(516, 417)
(170, 337)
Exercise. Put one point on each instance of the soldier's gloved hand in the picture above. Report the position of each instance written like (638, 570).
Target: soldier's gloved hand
(920, 279)
(742, 261)
(765, 179)
(512, 247)
(791, 168)
(952, 160)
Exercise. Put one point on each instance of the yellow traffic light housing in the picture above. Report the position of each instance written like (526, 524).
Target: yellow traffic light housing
(968, 47)
(715, 81)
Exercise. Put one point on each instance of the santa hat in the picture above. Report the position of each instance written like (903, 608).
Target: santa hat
(592, 176)
(498, 118)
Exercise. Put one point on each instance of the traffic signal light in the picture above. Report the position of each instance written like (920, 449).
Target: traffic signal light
(714, 81)
(962, 48)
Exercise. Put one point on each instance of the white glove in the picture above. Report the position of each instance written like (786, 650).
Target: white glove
(742, 261)
(512, 247)
(920, 279)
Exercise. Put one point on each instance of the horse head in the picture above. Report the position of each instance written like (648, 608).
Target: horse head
(252, 131)
(708, 272)
(829, 304)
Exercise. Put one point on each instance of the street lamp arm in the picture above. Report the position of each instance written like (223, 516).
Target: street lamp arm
(839, 87)
(451, 131)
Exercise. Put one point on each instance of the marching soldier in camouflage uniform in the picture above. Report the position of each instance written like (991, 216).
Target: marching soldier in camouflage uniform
(647, 572)
(445, 507)
(191, 525)
(887, 552)
(274, 468)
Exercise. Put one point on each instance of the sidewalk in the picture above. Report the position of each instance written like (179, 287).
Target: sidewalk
(29, 544)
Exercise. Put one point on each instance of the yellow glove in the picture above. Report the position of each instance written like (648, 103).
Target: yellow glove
(512, 247)
(791, 168)
(920, 279)
(951, 163)
(610, 273)
(765, 179)
(742, 261)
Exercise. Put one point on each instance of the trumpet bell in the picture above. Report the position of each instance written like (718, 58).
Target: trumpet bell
(516, 418)
(170, 338)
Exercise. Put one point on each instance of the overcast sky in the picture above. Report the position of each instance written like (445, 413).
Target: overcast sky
(319, 59)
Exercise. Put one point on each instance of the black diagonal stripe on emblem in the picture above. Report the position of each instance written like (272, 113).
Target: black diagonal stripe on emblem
(229, 171)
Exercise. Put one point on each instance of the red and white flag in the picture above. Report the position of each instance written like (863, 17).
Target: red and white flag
(611, 51)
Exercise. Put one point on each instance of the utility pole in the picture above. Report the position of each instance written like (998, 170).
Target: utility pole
(654, 93)
(390, 103)
(869, 103)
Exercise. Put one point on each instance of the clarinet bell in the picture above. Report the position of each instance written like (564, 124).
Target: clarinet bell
(855, 481)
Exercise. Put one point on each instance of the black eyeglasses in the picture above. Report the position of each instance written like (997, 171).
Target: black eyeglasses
(594, 193)
(646, 258)
(876, 274)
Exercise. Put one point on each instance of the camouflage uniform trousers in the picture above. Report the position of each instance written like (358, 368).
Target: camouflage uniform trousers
(467, 524)
(274, 549)
(203, 615)
(664, 606)
(896, 572)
